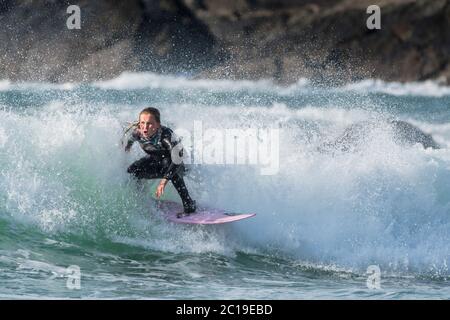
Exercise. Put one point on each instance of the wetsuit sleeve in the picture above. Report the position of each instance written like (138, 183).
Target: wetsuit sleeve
(133, 138)
(168, 144)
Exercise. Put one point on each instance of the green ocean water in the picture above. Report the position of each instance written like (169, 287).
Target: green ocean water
(67, 203)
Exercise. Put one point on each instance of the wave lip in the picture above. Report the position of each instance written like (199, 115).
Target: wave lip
(149, 80)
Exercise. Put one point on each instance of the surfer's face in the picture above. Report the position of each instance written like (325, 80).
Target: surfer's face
(148, 125)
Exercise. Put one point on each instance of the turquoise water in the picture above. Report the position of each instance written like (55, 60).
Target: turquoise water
(322, 219)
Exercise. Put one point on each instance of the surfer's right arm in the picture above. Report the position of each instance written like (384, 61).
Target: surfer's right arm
(133, 137)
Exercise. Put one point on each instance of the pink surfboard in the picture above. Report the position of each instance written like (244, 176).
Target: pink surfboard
(202, 216)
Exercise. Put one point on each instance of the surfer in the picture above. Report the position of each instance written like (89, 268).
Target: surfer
(159, 143)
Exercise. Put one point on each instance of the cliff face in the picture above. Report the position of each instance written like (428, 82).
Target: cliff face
(327, 41)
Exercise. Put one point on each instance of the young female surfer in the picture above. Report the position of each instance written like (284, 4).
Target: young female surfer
(161, 147)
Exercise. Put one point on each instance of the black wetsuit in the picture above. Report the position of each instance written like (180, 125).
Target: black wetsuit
(158, 164)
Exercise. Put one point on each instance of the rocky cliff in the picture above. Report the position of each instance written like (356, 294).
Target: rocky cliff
(327, 41)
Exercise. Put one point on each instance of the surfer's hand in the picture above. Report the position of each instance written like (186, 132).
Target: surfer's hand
(160, 188)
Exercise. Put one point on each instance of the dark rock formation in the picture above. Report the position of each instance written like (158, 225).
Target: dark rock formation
(327, 41)
(356, 136)
(115, 36)
(407, 134)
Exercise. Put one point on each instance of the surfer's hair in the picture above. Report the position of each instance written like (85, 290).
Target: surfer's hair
(153, 111)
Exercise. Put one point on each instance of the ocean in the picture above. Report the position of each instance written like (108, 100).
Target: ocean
(368, 222)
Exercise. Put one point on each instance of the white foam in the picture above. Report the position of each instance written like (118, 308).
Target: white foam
(3, 137)
(354, 209)
(129, 81)
(427, 88)
(5, 85)
(384, 204)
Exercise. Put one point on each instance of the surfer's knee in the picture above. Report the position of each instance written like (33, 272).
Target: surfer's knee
(132, 169)
(135, 171)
